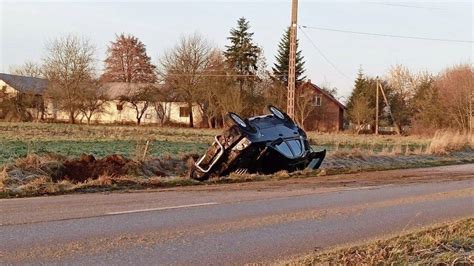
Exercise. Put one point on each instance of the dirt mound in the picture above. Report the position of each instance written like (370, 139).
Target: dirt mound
(88, 167)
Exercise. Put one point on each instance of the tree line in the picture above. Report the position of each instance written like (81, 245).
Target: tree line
(192, 71)
(237, 79)
(419, 102)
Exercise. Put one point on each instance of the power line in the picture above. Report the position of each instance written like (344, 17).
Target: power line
(408, 6)
(323, 55)
(213, 75)
(388, 35)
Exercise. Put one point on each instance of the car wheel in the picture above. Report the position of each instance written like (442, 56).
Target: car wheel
(236, 119)
(243, 124)
(276, 112)
(280, 114)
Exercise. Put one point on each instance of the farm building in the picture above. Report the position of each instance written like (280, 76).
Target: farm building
(27, 90)
(326, 113)
(118, 111)
(114, 110)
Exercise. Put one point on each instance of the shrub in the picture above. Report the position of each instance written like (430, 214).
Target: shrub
(445, 141)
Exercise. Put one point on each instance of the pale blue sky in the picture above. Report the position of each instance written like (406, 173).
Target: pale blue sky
(27, 26)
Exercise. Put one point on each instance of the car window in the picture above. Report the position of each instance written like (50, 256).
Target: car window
(284, 149)
(296, 147)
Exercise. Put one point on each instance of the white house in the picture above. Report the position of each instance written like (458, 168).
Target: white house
(115, 110)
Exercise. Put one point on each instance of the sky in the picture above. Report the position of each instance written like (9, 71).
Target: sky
(332, 58)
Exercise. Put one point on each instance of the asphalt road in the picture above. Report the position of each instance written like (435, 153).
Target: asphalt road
(230, 224)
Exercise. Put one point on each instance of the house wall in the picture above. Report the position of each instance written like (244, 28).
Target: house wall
(328, 117)
(6, 92)
(112, 114)
(127, 114)
(7, 89)
(325, 117)
(3, 97)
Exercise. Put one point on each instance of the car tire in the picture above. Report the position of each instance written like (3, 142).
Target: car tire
(280, 114)
(243, 124)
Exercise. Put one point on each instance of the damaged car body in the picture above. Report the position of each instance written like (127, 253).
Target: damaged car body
(262, 144)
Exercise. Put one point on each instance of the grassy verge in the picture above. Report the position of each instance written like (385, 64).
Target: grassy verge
(34, 156)
(449, 244)
(18, 140)
(12, 150)
(52, 175)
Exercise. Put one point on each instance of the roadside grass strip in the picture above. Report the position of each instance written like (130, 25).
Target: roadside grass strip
(447, 244)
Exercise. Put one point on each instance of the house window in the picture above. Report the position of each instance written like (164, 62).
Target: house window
(317, 100)
(119, 107)
(183, 111)
(147, 116)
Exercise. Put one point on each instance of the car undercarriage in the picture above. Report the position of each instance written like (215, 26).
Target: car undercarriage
(262, 144)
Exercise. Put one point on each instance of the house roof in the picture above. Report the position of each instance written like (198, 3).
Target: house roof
(115, 90)
(25, 84)
(318, 89)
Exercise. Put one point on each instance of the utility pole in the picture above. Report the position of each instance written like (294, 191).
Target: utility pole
(470, 112)
(290, 108)
(379, 85)
(377, 107)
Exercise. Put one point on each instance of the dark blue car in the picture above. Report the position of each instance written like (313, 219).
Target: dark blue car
(262, 144)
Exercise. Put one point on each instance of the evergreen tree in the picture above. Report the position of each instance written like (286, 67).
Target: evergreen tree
(363, 100)
(280, 68)
(127, 61)
(360, 87)
(361, 103)
(242, 54)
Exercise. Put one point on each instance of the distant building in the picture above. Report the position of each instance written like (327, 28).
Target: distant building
(118, 111)
(28, 91)
(14, 84)
(327, 114)
(115, 110)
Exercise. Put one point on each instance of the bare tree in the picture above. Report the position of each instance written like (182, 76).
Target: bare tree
(455, 87)
(401, 88)
(127, 61)
(141, 98)
(162, 109)
(28, 69)
(184, 66)
(232, 100)
(403, 82)
(162, 99)
(361, 113)
(275, 92)
(304, 104)
(214, 89)
(68, 67)
(93, 100)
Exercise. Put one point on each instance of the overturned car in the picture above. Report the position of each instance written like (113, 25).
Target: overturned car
(262, 144)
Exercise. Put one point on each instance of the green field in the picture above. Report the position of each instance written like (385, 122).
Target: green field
(35, 155)
(19, 139)
(15, 149)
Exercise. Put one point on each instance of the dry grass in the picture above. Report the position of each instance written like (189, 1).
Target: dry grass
(353, 153)
(450, 244)
(38, 175)
(443, 142)
(42, 175)
(446, 141)
(348, 139)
